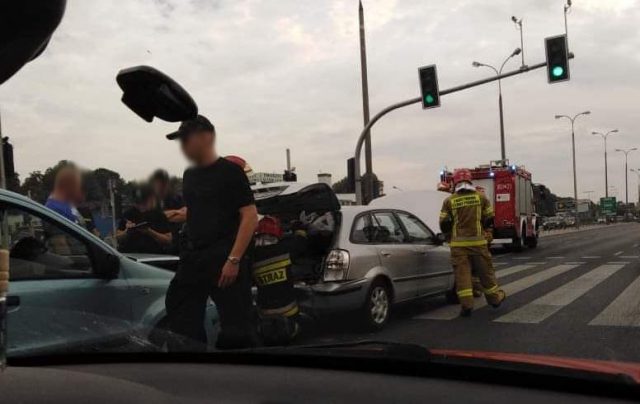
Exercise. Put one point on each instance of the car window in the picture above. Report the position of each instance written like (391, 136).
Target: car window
(388, 228)
(363, 230)
(416, 230)
(40, 248)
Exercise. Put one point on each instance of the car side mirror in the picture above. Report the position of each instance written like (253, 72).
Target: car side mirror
(439, 239)
(108, 266)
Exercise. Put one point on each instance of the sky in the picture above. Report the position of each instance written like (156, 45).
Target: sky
(277, 74)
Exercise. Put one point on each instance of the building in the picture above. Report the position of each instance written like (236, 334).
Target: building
(265, 178)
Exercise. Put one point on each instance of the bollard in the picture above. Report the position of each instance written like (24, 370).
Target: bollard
(4, 289)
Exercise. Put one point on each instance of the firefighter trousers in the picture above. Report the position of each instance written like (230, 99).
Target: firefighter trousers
(466, 260)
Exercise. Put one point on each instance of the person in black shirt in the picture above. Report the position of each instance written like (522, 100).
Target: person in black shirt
(221, 221)
(143, 228)
(170, 203)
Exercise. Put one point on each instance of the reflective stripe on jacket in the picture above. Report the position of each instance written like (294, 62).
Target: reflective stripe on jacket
(466, 210)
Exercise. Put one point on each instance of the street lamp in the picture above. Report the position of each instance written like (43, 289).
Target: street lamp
(606, 175)
(637, 171)
(498, 72)
(573, 153)
(626, 173)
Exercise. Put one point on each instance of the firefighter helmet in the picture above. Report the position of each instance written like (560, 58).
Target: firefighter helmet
(269, 225)
(461, 175)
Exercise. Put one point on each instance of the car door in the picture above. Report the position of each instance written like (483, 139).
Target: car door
(396, 254)
(433, 268)
(56, 299)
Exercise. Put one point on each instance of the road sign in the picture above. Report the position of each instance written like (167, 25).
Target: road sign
(608, 206)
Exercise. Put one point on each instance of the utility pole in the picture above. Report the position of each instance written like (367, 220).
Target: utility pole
(3, 178)
(365, 106)
(518, 23)
(626, 174)
(567, 7)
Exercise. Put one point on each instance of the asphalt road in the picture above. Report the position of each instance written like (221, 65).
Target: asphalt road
(576, 295)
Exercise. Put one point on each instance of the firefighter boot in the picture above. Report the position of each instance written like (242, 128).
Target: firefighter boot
(483, 264)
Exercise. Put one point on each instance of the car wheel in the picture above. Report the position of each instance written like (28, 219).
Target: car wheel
(378, 305)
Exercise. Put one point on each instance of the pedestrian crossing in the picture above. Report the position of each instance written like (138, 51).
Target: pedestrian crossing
(622, 310)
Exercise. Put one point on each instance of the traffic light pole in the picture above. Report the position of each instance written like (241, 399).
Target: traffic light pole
(392, 107)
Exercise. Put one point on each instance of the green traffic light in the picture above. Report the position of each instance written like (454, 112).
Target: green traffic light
(429, 99)
(557, 71)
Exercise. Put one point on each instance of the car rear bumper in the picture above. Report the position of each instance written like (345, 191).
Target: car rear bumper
(330, 297)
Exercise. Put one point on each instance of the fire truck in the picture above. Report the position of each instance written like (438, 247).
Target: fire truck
(509, 189)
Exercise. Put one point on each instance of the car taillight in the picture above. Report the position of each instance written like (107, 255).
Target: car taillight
(336, 265)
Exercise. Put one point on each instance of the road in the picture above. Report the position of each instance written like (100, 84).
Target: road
(576, 295)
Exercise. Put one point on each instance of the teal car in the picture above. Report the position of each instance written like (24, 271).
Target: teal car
(69, 291)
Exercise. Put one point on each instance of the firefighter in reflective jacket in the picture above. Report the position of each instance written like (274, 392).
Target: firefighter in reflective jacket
(276, 300)
(466, 214)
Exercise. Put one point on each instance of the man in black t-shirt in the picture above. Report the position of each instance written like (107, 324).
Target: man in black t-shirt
(221, 220)
(170, 203)
(143, 228)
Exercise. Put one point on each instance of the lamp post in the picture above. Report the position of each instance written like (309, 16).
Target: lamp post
(606, 173)
(626, 173)
(518, 23)
(637, 171)
(503, 153)
(573, 154)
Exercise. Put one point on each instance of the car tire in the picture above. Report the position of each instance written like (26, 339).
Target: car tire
(377, 307)
(451, 297)
(516, 244)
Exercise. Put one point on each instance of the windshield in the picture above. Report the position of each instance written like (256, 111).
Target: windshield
(212, 175)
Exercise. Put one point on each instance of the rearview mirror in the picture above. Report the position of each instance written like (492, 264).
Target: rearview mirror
(440, 239)
(152, 94)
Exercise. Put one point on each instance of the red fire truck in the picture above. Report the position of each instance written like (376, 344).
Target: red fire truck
(508, 187)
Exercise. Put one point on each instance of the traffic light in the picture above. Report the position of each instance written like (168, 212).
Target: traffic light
(290, 176)
(351, 175)
(7, 155)
(557, 58)
(429, 86)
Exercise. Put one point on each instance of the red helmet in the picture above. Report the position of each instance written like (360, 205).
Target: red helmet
(240, 162)
(462, 174)
(269, 225)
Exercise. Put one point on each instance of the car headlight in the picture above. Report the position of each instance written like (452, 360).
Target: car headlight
(336, 265)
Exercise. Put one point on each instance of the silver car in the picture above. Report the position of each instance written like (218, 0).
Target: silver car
(375, 257)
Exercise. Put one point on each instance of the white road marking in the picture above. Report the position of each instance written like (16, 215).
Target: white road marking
(590, 257)
(556, 258)
(513, 270)
(549, 304)
(618, 253)
(452, 311)
(575, 263)
(635, 245)
(624, 311)
(521, 258)
(536, 262)
(618, 262)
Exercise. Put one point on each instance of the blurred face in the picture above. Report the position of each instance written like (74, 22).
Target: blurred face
(160, 187)
(75, 192)
(197, 147)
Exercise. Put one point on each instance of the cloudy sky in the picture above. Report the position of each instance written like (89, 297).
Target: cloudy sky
(273, 74)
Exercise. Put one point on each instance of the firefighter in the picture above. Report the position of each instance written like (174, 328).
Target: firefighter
(277, 304)
(466, 214)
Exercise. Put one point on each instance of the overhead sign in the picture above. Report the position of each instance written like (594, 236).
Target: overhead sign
(608, 206)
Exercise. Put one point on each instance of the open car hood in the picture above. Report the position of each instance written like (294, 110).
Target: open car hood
(152, 94)
(26, 27)
(292, 197)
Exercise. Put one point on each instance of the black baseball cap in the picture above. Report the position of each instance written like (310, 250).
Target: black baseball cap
(197, 124)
